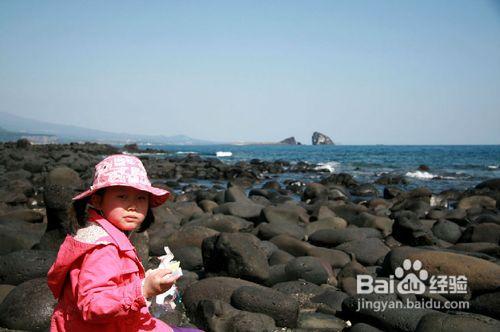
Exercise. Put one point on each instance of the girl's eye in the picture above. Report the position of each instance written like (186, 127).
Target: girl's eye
(122, 196)
(142, 198)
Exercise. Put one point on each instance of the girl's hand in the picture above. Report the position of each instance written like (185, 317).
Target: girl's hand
(157, 282)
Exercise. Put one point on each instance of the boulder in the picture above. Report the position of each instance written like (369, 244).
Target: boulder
(447, 231)
(340, 179)
(365, 190)
(362, 327)
(215, 288)
(487, 304)
(492, 184)
(17, 234)
(461, 322)
(482, 275)
(189, 236)
(190, 258)
(21, 186)
(335, 258)
(321, 211)
(13, 197)
(365, 219)
(20, 266)
(218, 316)
(268, 231)
(410, 230)
(316, 321)
(223, 223)
(329, 223)
(166, 223)
(334, 237)
(291, 245)
(388, 179)
(480, 247)
(187, 210)
(236, 194)
(61, 185)
(141, 243)
(280, 257)
(285, 213)
(282, 308)
(477, 201)
(27, 215)
(301, 290)
(4, 291)
(314, 191)
(332, 298)
(311, 269)
(487, 232)
(393, 318)
(208, 205)
(277, 273)
(28, 307)
(391, 192)
(238, 254)
(240, 209)
(368, 251)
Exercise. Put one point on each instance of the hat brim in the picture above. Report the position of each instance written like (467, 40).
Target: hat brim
(158, 196)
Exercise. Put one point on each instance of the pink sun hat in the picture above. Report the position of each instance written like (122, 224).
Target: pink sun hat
(124, 170)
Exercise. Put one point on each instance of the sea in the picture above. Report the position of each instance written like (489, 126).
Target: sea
(448, 166)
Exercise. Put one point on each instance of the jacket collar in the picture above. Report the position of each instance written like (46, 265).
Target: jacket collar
(119, 238)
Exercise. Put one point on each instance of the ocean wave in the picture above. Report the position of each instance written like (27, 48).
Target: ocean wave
(493, 167)
(223, 153)
(444, 177)
(421, 175)
(328, 166)
(140, 154)
(186, 152)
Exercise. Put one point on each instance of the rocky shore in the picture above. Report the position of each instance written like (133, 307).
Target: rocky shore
(256, 258)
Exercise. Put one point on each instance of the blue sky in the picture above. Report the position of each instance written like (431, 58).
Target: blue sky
(362, 72)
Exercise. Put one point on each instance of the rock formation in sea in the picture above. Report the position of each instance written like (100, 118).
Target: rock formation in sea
(321, 139)
(290, 141)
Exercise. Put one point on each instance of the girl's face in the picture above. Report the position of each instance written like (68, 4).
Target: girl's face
(125, 207)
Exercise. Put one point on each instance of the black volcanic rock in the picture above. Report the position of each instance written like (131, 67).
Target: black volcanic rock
(237, 254)
(321, 139)
(28, 307)
(283, 308)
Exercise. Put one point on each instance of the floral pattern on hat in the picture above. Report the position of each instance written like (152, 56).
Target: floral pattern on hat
(124, 170)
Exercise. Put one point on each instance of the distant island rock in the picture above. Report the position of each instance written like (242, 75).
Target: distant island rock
(290, 141)
(321, 139)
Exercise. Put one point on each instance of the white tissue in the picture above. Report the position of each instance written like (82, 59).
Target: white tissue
(167, 262)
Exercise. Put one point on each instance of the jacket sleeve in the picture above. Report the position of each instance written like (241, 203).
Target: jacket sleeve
(101, 294)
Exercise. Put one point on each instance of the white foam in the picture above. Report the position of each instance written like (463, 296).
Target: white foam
(186, 152)
(223, 153)
(329, 166)
(140, 154)
(493, 166)
(421, 175)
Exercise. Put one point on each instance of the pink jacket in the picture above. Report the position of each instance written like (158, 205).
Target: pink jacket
(98, 284)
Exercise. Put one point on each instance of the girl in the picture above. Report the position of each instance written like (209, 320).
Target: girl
(97, 277)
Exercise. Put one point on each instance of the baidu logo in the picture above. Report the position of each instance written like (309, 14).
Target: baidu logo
(411, 283)
(411, 279)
